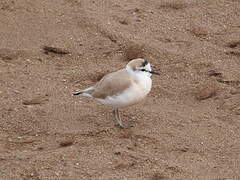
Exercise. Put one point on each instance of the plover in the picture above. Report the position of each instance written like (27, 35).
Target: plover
(122, 88)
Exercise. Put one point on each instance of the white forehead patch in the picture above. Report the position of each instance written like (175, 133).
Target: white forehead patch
(148, 67)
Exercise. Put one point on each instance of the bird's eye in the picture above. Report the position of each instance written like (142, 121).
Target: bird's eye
(143, 69)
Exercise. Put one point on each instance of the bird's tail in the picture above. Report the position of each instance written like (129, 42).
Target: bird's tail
(86, 92)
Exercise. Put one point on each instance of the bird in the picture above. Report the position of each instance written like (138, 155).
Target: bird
(122, 88)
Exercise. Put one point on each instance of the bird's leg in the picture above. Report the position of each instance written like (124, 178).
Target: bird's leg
(115, 116)
(119, 120)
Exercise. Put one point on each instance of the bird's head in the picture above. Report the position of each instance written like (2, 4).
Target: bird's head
(140, 66)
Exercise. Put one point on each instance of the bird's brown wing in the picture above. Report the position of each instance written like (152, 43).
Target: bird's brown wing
(112, 84)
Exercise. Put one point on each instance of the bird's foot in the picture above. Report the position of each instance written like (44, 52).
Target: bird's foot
(124, 126)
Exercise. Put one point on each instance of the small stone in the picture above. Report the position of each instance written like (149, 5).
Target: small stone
(16, 91)
(35, 101)
(40, 148)
(124, 22)
(117, 153)
(55, 50)
(214, 73)
(66, 142)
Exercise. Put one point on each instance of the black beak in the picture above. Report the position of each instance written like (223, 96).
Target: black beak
(153, 72)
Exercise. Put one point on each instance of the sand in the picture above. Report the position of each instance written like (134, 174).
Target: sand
(187, 128)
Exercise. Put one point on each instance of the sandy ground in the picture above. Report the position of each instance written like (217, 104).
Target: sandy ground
(187, 128)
